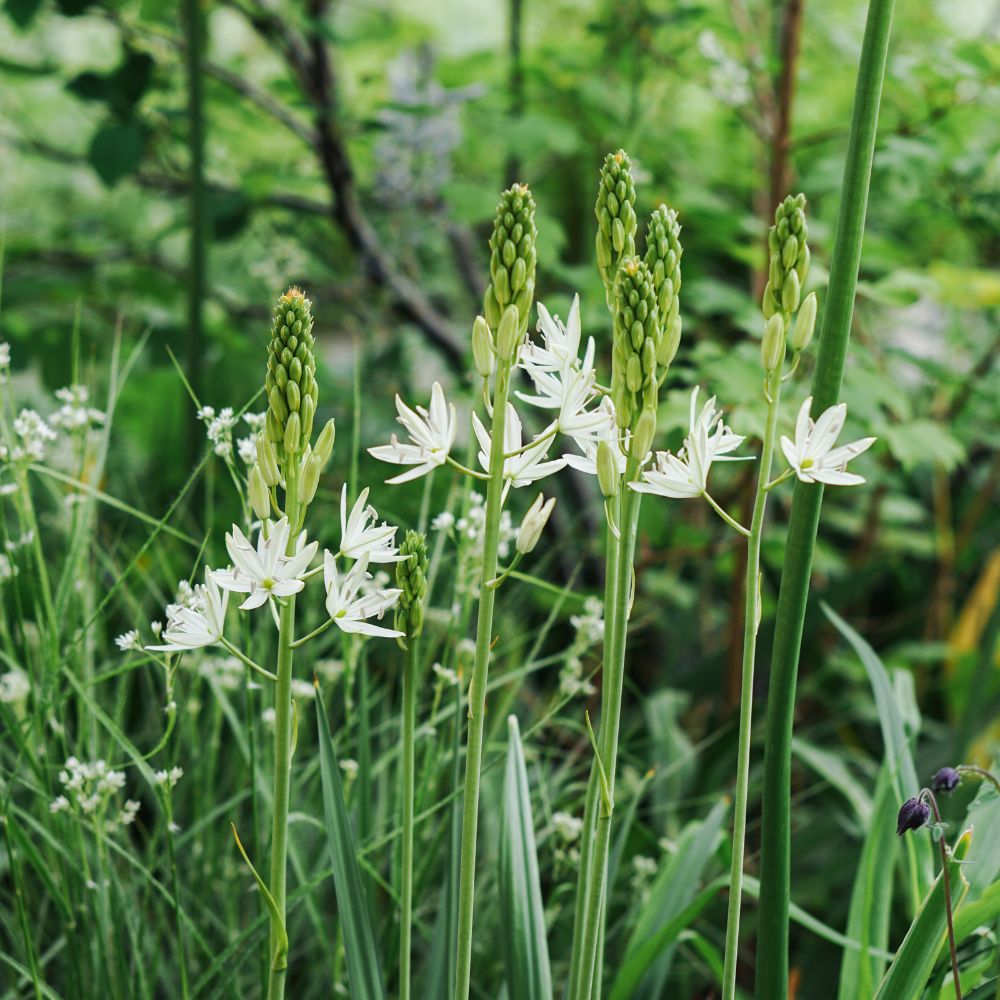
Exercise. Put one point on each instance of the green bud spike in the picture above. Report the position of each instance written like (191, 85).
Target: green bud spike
(290, 381)
(512, 260)
(663, 258)
(482, 347)
(260, 499)
(788, 264)
(636, 334)
(411, 579)
(772, 345)
(325, 441)
(615, 211)
(805, 323)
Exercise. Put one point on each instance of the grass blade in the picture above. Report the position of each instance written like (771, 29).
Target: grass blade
(522, 913)
(364, 972)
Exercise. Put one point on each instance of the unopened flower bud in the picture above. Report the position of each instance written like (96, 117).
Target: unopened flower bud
(946, 780)
(267, 460)
(788, 263)
(607, 469)
(290, 381)
(512, 259)
(482, 347)
(507, 334)
(533, 524)
(645, 429)
(913, 814)
(616, 218)
(325, 441)
(805, 322)
(293, 434)
(309, 478)
(411, 579)
(670, 343)
(772, 345)
(260, 499)
(791, 289)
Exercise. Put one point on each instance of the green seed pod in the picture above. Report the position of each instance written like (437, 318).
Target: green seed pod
(663, 258)
(788, 264)
(805, 322)
(411, 579)
(512, 260)
(615, 211)
(508, 334)
(309, 479)
(291, 370)
(636, 335)
(772, 344)
(482, 347)
(260, 499)
(267, 460)
(607, 469)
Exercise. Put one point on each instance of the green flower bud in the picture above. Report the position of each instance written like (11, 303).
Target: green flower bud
(267, 460)
(411, 579)
(772, 345)
(645, 430)
(324, 443)
(670, 342)
(290, 381)
(805, 322)
(607, 469)
(512, 262)
(260, 499)
(482, 347)
(508, 334)
(788, 264)
(636, 334)
(533, 524)
(309, 478)
(615, 211)
(663, 258)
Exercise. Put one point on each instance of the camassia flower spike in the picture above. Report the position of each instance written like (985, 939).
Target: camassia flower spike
(812, 455)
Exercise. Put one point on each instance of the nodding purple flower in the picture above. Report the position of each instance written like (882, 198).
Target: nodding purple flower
(913, 814)
(946, 780)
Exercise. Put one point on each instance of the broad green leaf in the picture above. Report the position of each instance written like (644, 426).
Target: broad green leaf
(914, 962)
(521, 912)
(116, 151)
(364, 973)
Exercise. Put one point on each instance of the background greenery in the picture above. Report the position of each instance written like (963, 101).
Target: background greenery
(358, 150)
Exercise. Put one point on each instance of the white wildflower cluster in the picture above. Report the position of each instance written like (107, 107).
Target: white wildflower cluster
(643, 872)
(224, 671)
(8, 570)
(91, 789)
(128, 640)
(219, 428)
(168, 779)
(567, 829)
(75, 415)
(246, 447)
(350, 768)
(4, 361)
(589, 629)
(14, 686)
(445, 675)
(32, 433)
(728, 79)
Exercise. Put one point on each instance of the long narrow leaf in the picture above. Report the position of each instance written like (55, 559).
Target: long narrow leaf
(521, 911)
(364, 972)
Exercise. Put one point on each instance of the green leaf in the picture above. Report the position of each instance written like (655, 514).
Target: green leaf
(279, 960)
(923, 442)
(521, 912)
(116, 151)
(917, 955)
(364, 973)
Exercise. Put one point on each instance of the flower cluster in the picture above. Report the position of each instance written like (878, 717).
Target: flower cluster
(91, 789)
(75, 416)
(32, 433)
(219, 428)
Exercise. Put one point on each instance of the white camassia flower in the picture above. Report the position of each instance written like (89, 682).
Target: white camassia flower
(561, 343)
(812, 454)
(349, 609)
(520, 470)
(432, 433)
(357, 539)
(570, 392)
(194, 627)
(266, 571)
(608, 431)
(684, 476)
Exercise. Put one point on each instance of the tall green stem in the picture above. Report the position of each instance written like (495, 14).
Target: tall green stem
(750, 626)
(409, 791)
(772, 940)
(614, 681)
(477, 688)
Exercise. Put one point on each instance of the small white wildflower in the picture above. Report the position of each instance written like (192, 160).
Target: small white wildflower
(349, 611)
(303, 689)
(246, 448)
(567, 826)
(75, 415)
(128, 813)
(446, 674)
(128, 640)
(4, 354)
(7, 569)
(267, 717)
(14, 686)
(329, 670)
(59, 804)
(812, 454)
(156, 628)
(350, 768)
(432, 433)
(8, 489)
(255, 421)
(33, 433)
(200, 622)
(168, 778)
(445, 521)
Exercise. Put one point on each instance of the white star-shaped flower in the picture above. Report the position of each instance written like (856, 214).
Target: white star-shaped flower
(266, 571)
(349, 611)
(432, 433)
(812, 454)
(518, 470)
(570, 392)
(608, 431)
(560, 343)
(357, 539)
(192, 628)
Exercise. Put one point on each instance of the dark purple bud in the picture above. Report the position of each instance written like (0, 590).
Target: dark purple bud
(913, 814)
(946, 780)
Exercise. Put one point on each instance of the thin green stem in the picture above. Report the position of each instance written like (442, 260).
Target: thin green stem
(409, 792)
(772, 936)
(614, 682)
(312, 635)
(477, 690)
(750, 625)
(545, 435)
(464, 468)
(731, 521)
(243, 658)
